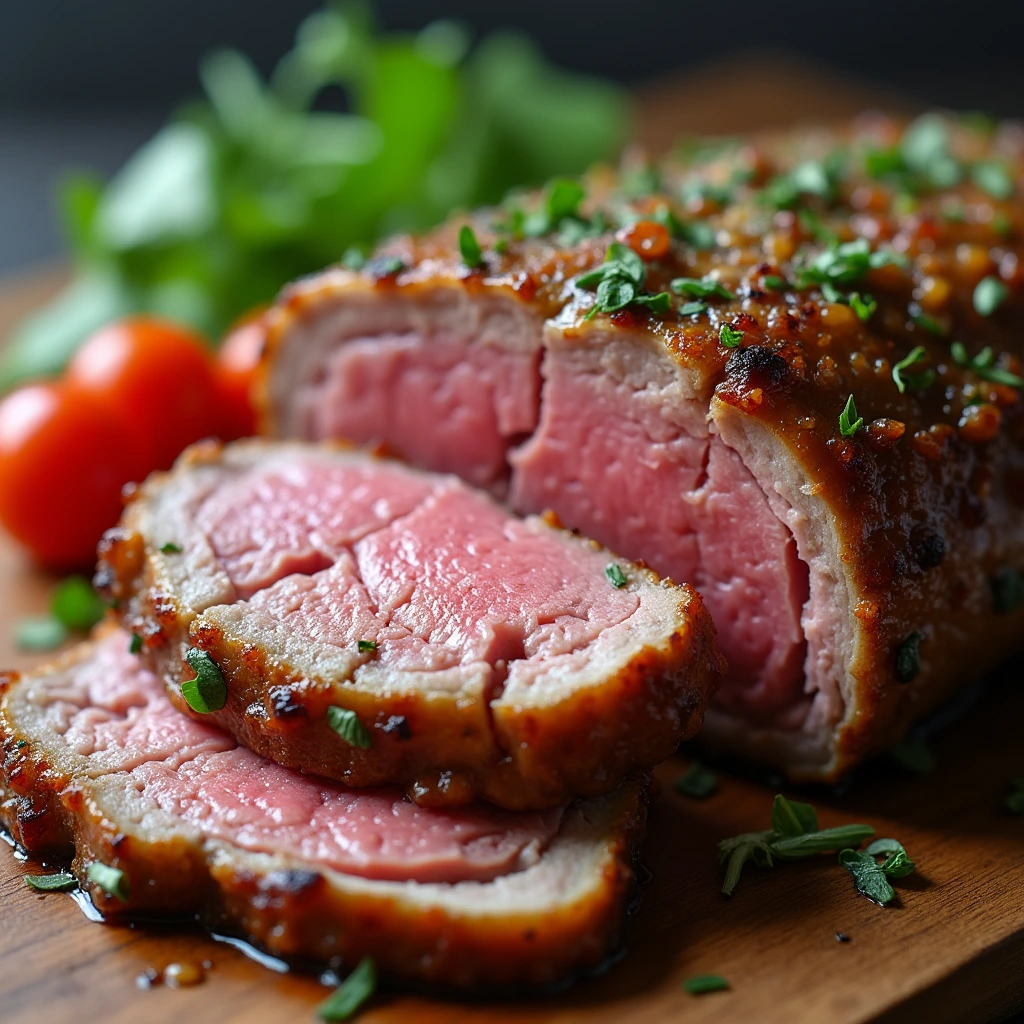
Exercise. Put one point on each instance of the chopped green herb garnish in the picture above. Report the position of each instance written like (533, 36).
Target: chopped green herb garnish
(914, 381)
(615, 576)
(697, 233)
(619, 281)
(40, 634)
(500, 246)
(908, 658)
(641, 181)
(21, 743)
(702, 983)
(914, 755)
(849, 421)
(697, 782)
(1007, 586)
(1015, 801)
(469, 248)
(925, 151)
(993, 178)
(170, 548)
(848, 263)
(705, 288)
(350, 995)
(1001, 224)
(135, 644)
(367, 645)
(863, 305)
(63, 881)
(692, 308)
(989, 295)
(207, 692)
(871, 878)
(386, 266)
(346, 724)
(729, 336)
(113, 881)
(925, 322)
(794, 834)
(562, 198)
(76, 605)
(775, 283)
(982, 366)
(354, 258)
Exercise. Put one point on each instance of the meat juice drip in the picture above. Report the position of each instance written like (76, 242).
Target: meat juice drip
(179, 974)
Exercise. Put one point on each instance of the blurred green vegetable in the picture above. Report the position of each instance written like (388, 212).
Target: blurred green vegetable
(255, 185)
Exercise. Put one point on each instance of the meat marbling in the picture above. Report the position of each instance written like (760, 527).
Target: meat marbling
(99, 764)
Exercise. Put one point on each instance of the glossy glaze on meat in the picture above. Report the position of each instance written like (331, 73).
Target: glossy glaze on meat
(841, 255)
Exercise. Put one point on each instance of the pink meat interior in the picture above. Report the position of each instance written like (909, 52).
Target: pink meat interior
(435, 573)
(114, 713)
(606, 453)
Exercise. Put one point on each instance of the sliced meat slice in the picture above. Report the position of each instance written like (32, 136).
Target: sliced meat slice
(99, 765)
(481, 655)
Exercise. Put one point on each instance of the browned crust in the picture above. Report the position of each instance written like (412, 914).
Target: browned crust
(303, 914)
(926, 509)
(442, 747)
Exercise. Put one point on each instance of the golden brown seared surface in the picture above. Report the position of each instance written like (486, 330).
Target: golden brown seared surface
(561, 914)
(882, 263)
(509, 667)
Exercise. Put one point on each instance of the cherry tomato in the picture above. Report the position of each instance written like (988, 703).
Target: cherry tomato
(236, 362)
(64, 457)
(159, 377)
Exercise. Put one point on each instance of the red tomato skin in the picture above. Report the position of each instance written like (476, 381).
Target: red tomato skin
(64, 458)
(159, 377)
(237, 360)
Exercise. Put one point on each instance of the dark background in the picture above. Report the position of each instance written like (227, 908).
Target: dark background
(82, 84)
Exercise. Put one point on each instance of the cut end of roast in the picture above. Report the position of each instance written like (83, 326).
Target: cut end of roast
(98, 764)
(480, 654)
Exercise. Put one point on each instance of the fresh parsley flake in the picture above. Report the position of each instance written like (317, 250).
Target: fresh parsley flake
(993, 178)
(847, 264)
(469, 248)
(982, 366)
(346, 724)
(702, 983)
(913, 755)
(705, 288)
(698, 782)
(354, 258)
(170, 548)
(63, 881)
(367, 645)
(1007, 586)
(870, 878)
(76, 605)
(924, 148)
(692, 308)
(914, 381)
(562, 198)
(849, 421)
(40, 634)
(615, 576)
(698, 234)
(775, 283)
(729, 336)
(989, 295)
(113, 881)
(619, 282)
(207, 692)
(908, 657)
(925, 322)
(863, 305)
(351, 994)
(794, 834)
(135, 644)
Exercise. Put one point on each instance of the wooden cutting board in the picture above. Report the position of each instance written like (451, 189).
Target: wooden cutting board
(950, 949)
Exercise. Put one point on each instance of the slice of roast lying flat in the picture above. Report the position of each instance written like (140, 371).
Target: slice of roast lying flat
(373, 623)
(98, 765)
(687, 409)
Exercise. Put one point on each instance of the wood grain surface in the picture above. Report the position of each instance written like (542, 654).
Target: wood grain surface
(950, 949)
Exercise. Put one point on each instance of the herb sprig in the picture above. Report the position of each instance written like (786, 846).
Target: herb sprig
(206, 692)
(619, 282)
(350, 995)
(849, 421)
(914, 381)
(794, 834)
(870, 878)
(983, 365)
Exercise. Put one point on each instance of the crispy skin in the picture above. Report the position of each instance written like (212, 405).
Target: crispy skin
(445, 747)
(532, 928)
(910, 525)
